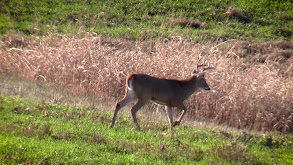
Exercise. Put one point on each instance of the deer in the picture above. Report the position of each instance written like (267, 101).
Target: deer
(168, 92)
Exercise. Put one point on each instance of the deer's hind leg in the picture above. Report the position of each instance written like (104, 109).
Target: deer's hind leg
(140, 103)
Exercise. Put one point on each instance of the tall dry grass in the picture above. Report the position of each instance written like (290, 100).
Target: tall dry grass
(252, 84)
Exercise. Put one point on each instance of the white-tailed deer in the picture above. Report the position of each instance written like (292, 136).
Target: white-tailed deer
(168, 92)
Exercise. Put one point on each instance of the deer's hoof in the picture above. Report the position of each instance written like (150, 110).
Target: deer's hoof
(176, 123)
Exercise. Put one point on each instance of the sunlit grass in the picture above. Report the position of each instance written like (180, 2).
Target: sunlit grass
(151, 19)
(68, 134)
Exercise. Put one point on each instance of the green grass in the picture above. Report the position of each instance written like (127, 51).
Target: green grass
(262, 20)
(41, 133)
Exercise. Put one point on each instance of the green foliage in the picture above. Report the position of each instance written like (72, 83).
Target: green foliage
(42, 133)
(140, 20)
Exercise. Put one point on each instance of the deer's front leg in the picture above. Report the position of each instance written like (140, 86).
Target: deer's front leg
(180, 106)
(170, 117)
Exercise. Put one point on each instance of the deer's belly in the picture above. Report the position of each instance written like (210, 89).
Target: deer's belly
(159, 101)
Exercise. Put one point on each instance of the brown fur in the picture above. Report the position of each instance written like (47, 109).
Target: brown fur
(168, 92)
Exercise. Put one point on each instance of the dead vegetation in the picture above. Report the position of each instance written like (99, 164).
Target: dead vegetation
(233, 12)
(251, 83)
(184, 22)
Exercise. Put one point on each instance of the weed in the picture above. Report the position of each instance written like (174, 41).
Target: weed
(11, 127)
(99, 138)
(247, 77)
(47, 129)
(186, 23)
(30, 130)
(233, 12)
(234, 152)
(62, 135)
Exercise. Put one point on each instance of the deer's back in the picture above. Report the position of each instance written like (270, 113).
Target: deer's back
(157, 89)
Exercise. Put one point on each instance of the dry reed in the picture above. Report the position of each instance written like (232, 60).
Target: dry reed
(251, 83)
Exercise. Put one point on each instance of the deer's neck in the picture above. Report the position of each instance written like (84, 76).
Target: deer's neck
(190, 86)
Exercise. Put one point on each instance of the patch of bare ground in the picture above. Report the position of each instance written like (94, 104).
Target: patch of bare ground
(251, 83)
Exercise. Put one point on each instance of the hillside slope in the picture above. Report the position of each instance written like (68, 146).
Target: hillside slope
(199, 20)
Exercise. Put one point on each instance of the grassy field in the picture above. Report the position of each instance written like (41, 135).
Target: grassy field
(199, 20)
(34, 132)
(63, 66)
